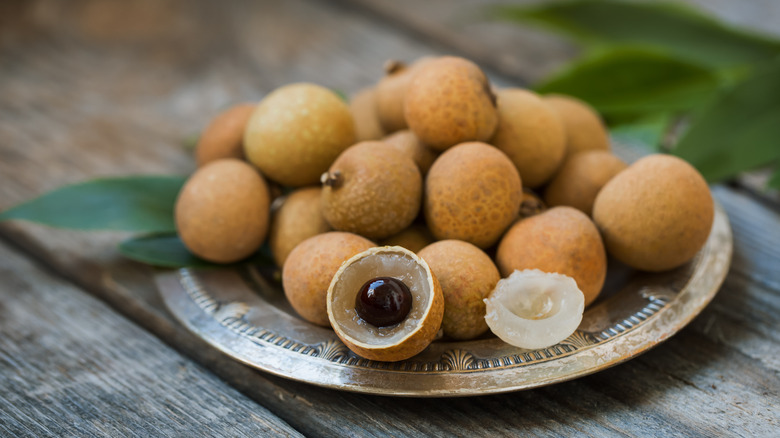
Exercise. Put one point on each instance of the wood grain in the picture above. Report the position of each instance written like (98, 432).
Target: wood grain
(71, 366)
(89, 91)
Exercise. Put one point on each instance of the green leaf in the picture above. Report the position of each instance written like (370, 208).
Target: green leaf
(740, 130)
(631, 80)
(681, 31)
(774, 180)
(191, 141)
(137, 203)
(168, 251)
(645, 134)
(163, 250)
(341, 94)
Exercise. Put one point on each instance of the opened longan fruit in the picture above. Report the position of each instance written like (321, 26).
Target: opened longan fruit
(385, 304)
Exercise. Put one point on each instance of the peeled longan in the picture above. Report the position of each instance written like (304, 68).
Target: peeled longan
(472, 193)
(298, 218)
(449, 101)
(296, 132)
(531, 134)
(310, 267)
(467, 276)
(363, 109)
(371, 189)
(656, 214)
(581, 178)
(560, 240)
(224, 136)
(222, 211)
(584, 128)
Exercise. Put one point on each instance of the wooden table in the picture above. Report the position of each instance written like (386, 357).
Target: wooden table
(95, 88)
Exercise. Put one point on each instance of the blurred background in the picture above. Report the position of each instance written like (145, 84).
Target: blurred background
(142, 78)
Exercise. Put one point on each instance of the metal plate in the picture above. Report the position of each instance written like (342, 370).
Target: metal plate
(241, 313)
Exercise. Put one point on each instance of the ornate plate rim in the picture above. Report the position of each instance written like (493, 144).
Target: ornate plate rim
(326, 364)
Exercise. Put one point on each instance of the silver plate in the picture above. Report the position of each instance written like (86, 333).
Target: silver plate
(242, 314)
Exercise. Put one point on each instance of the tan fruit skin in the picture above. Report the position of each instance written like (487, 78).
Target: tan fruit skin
(561, 240)
(414, 238)
(449, 101)
(414, 344)
(531, 134)
(408, 143)
(296, 132)
(581, 178)
(222, 211)
(390, 91)
(299, 218)
(310, 268)
(379, 193)
(584, 128)
(363, 109)
(472, 193)
(224, 136)
(656, 214)
(467, 275)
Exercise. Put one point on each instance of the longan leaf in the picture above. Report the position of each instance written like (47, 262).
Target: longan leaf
(135, 203)
(168, 251)
(774, 180)
(738, 131)
(164, 250)
(681, 31)
(644, 134)
(631, 81)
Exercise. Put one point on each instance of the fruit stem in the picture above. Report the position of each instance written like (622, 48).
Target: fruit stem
(331, 179)
(394, 66)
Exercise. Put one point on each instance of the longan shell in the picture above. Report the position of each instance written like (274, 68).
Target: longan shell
(408, 143)
(472, 193)
(656, 214)
(561, 240)
(531, 134)
(449, 101)
(310, 267)
(363, 109)
(222, 211)
(296, 132)
(224, 136)
(376, 191)
(581, 178)
(584, 128)
(467, 276)
(413, 344)
(298, 218)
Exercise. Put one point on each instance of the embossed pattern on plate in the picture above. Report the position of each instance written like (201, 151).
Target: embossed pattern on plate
(241, 313)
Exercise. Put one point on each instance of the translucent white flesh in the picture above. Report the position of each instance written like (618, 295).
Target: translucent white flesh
(533, 309)
(394, 265)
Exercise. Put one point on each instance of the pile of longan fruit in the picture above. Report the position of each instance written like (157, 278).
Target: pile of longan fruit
(478, 181)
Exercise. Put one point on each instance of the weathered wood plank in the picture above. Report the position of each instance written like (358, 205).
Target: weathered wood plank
(95, 94)
(70, 365)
